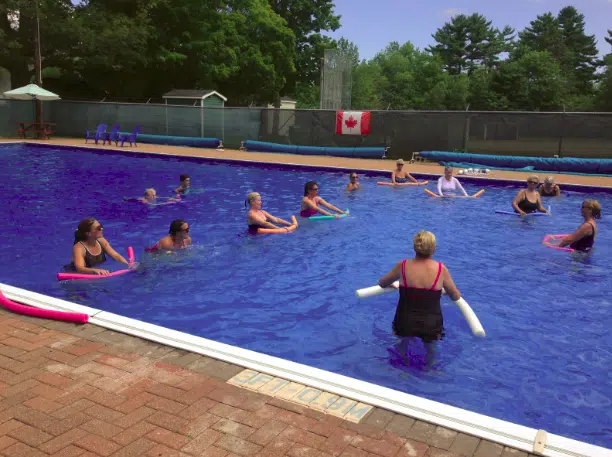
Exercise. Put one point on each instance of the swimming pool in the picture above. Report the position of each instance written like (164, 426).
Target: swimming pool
(544, 362)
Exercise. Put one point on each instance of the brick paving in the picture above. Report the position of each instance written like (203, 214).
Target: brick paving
(67, 391)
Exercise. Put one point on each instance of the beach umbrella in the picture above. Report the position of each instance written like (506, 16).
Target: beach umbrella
(31, 92)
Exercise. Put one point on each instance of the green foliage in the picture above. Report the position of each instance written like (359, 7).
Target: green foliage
(468, 42)
(533, 82)
(255, 51)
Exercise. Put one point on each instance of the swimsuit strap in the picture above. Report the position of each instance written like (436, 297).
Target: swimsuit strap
(437, 276)
(404, 273)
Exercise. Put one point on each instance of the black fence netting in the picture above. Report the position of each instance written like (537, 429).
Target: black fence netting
(404, 132)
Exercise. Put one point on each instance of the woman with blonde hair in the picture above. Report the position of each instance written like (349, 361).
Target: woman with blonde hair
(584, 238)
(258, 218)
(421, 280)
(528, 200)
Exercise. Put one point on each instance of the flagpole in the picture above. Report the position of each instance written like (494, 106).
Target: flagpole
(38, 65)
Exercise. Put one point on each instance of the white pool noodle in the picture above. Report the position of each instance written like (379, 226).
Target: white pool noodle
(467, 311)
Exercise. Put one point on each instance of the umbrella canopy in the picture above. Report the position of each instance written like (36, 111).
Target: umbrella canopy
(31, 92)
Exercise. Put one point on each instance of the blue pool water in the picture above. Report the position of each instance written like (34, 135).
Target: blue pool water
(545, 362)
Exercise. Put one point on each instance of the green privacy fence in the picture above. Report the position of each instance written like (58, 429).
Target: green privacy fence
(506, 133)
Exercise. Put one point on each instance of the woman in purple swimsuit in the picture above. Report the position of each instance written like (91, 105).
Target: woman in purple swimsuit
(584, 238)
(311, 201)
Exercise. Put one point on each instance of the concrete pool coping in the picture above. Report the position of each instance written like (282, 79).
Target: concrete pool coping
(466, 422)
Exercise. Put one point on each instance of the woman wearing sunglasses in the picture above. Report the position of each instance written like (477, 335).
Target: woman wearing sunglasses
(177, 238)
(584, 238)
(528, 200)
(311, 203)
(353, 183)
(90, 249)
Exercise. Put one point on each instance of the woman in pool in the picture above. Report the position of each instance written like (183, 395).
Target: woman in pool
(90, 249)
(584, 238)
(177, 238)
(528, 200)
(421, 280)
(353, 183)
(185, 183)
(258, 218)
(549, 188)
(150, 198)
(449, 186)
(399, 176)
(311, 201)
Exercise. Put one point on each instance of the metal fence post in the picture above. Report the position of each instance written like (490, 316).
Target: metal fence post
(466, 129)
(560, 149)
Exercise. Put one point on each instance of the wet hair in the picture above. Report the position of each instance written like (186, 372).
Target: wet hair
(176, 226)
(424, 243)
(149, 190)
(354, 173)
(308, 187)
(595, 208)
(184, 177)
(84, 227)
(250, 197)
(447, 168)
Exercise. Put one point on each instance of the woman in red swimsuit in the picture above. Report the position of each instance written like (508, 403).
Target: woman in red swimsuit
(311, 201)
(418, 310)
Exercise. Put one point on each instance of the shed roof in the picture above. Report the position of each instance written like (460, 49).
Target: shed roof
(194, 94)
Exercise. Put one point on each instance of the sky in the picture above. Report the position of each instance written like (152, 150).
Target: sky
(372, 24)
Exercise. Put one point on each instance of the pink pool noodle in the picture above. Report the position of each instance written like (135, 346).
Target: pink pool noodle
(71, 276)
(44, 313)
(548, 238)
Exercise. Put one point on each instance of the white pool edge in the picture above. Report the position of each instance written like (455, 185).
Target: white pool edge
(481, 426)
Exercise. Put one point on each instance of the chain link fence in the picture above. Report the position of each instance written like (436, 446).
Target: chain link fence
(405, 132)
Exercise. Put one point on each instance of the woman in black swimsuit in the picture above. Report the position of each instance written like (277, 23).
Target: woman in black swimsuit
(421, 281)
(528, 200)
(90, 249)
(584, 238)
(258, 218)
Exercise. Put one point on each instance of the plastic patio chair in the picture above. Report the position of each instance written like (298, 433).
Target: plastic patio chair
(113, 135)
(130, 138)
(97, 135)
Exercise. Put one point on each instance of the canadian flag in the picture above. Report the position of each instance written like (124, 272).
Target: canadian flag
(353, 122)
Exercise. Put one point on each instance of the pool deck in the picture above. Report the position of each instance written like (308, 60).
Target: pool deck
(72, 390)
(357, 164)
(69, 390)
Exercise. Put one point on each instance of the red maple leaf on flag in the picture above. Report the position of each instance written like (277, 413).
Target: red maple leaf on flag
(351, 122)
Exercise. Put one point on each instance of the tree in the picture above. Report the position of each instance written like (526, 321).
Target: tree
(565, 39)
(605, 87)
(307, 19)
(482, 96)
(467, 42)
(533, 82)
(581, 59)
(367, 78)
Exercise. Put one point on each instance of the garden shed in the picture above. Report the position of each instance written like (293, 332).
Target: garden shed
(211, 104)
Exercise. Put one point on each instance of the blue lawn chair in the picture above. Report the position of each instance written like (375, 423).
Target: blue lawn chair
(130, 138)
(113, 135)
(97, 135)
